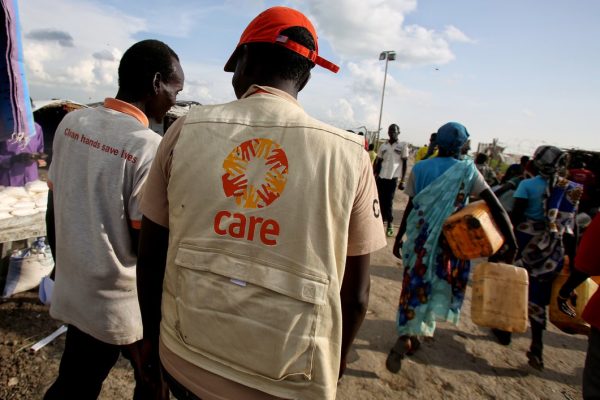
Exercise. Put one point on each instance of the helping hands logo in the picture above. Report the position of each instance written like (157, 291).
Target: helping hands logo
(264, 157)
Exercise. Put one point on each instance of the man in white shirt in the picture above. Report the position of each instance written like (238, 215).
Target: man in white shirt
(102, 156)
(387, 170)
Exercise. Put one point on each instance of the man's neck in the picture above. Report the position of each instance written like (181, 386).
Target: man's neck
(130, 99)
(284, 85)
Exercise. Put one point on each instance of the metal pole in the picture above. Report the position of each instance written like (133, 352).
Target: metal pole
(382, 95)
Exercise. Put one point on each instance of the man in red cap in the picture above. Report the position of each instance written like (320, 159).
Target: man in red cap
(258, 225)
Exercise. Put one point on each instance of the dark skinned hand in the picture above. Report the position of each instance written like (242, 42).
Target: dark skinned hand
(397, 249)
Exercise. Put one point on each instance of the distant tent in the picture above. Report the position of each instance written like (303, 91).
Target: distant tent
(49, 113)
(180, 109)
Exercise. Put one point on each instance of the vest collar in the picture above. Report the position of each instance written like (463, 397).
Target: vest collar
(127, 108)
(257, 89)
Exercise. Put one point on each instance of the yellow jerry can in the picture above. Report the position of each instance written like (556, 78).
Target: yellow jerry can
(499, 297)
(472, 233)
(584, 292)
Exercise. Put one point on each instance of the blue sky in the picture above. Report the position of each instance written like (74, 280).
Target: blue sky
(525, 72)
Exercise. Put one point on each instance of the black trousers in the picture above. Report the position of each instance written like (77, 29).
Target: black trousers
(85, 364)
(386, 189)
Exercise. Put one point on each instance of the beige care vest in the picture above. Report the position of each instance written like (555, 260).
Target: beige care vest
(260, 196)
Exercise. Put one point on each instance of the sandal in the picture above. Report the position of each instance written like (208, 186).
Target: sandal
(404, 345)
(415, 344)
(535, 361)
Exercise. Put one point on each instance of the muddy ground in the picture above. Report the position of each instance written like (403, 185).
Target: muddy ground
(462, 362)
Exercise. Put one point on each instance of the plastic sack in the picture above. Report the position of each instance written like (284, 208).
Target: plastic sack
(27, 267)
(45, 291)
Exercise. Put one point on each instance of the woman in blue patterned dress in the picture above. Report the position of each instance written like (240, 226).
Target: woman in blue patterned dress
(435, 281)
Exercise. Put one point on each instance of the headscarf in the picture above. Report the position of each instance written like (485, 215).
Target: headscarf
(548, 159)
(451, 137)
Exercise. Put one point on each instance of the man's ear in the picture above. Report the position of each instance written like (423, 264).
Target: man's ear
(156, 82)
(304, 81)
(242, 59)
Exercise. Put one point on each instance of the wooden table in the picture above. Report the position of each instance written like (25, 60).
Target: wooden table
(20, 228)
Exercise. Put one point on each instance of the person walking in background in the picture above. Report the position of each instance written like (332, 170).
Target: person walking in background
(372, 153)
(434, 283)
(427, 151)
(101, 159)
(483, 167)
(509, 183)
(392, 155)
(543, 215)
(515, 170)
(586, 264)
(578, 172)
(258, 222)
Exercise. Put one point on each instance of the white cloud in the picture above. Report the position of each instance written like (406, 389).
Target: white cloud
(454, 34)
(356, 31)
(361, 29)
(341, 114)
(92, 30)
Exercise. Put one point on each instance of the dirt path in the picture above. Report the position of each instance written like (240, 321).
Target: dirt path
(460, 362)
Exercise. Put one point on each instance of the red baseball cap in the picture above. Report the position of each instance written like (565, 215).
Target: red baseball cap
(266, 28)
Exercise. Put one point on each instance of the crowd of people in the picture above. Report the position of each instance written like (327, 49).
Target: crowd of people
(535, 207)
(230, 259)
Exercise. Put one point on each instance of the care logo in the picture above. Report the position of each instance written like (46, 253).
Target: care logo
(265, 163)
(255, 176)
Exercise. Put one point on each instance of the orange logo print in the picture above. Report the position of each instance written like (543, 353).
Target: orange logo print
(263, 162)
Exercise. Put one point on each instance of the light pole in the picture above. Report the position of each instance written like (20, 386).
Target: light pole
(388, 55)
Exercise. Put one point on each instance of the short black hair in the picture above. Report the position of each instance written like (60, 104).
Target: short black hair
(141, 62)
(276, 60)
(481, 158)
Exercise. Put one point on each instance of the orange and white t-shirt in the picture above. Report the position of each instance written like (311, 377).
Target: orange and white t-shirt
(101, 159)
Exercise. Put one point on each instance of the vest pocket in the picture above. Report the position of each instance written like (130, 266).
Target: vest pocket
(256, 318)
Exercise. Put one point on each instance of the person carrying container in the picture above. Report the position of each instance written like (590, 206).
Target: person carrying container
(435, 281)
(544, 216)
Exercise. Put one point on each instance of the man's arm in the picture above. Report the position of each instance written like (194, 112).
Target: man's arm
(503, 221)
(402, 230)
(517, 215)
(404, 168)
(134, 235)
(50, 234)
(151, 264)
(377, 166)
(150, 271)
(355, 300)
